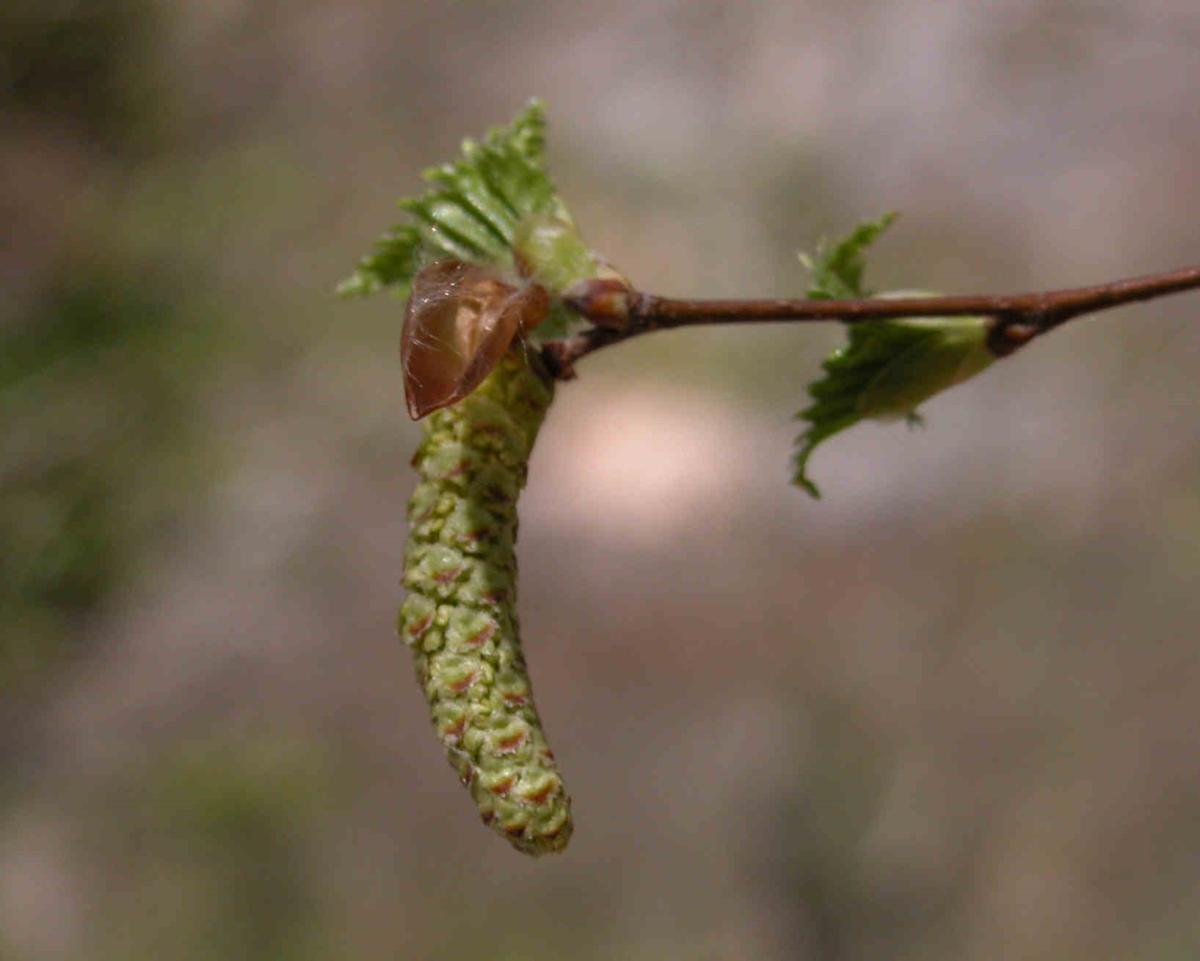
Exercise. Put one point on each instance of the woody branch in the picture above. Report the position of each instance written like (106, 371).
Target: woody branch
(617, 313)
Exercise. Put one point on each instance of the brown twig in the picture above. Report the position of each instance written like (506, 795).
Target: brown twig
(1016, 318)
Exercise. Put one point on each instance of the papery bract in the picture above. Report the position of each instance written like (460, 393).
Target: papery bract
(459, 321)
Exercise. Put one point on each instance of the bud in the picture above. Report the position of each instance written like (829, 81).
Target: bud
(548, 249)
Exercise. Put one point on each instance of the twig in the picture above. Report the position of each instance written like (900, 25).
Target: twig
(618, 314)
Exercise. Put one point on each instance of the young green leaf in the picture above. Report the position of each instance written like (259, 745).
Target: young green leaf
(471, 211)
(494, 206)
(835, 272)
(887, 368)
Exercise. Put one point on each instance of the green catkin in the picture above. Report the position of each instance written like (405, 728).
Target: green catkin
(459, 616)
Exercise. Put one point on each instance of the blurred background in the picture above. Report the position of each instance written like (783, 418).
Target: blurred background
(950, 711)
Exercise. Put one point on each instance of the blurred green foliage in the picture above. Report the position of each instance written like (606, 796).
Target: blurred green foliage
(213, 854)
(99, 377)
(88, 63)
(102, 350)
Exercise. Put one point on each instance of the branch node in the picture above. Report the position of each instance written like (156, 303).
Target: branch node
(1008, 333)
(556, 355)
(605, 301)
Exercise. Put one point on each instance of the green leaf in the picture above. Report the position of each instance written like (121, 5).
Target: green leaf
(484, 208)
(836, 271)
(887, 368)
(392, 262)
(471, 211)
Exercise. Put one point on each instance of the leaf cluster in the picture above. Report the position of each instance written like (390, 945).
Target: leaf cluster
(494, 205)
(472, 211)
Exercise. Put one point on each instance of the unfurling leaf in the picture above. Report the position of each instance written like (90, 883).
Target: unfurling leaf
(472, 210)
(495, 206)
(888, 368)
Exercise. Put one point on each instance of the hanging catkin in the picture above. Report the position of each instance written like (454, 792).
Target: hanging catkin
(460, 617)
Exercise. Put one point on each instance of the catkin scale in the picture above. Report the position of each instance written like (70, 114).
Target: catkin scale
(459, 615)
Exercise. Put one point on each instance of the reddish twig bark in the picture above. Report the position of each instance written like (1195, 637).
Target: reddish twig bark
(617, 315)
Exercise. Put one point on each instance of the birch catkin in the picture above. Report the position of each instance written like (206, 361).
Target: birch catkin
(460, 617)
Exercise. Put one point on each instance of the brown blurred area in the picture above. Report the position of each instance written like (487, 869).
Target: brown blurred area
(950, 711)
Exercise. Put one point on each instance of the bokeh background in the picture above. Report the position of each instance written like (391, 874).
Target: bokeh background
(951, 711)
